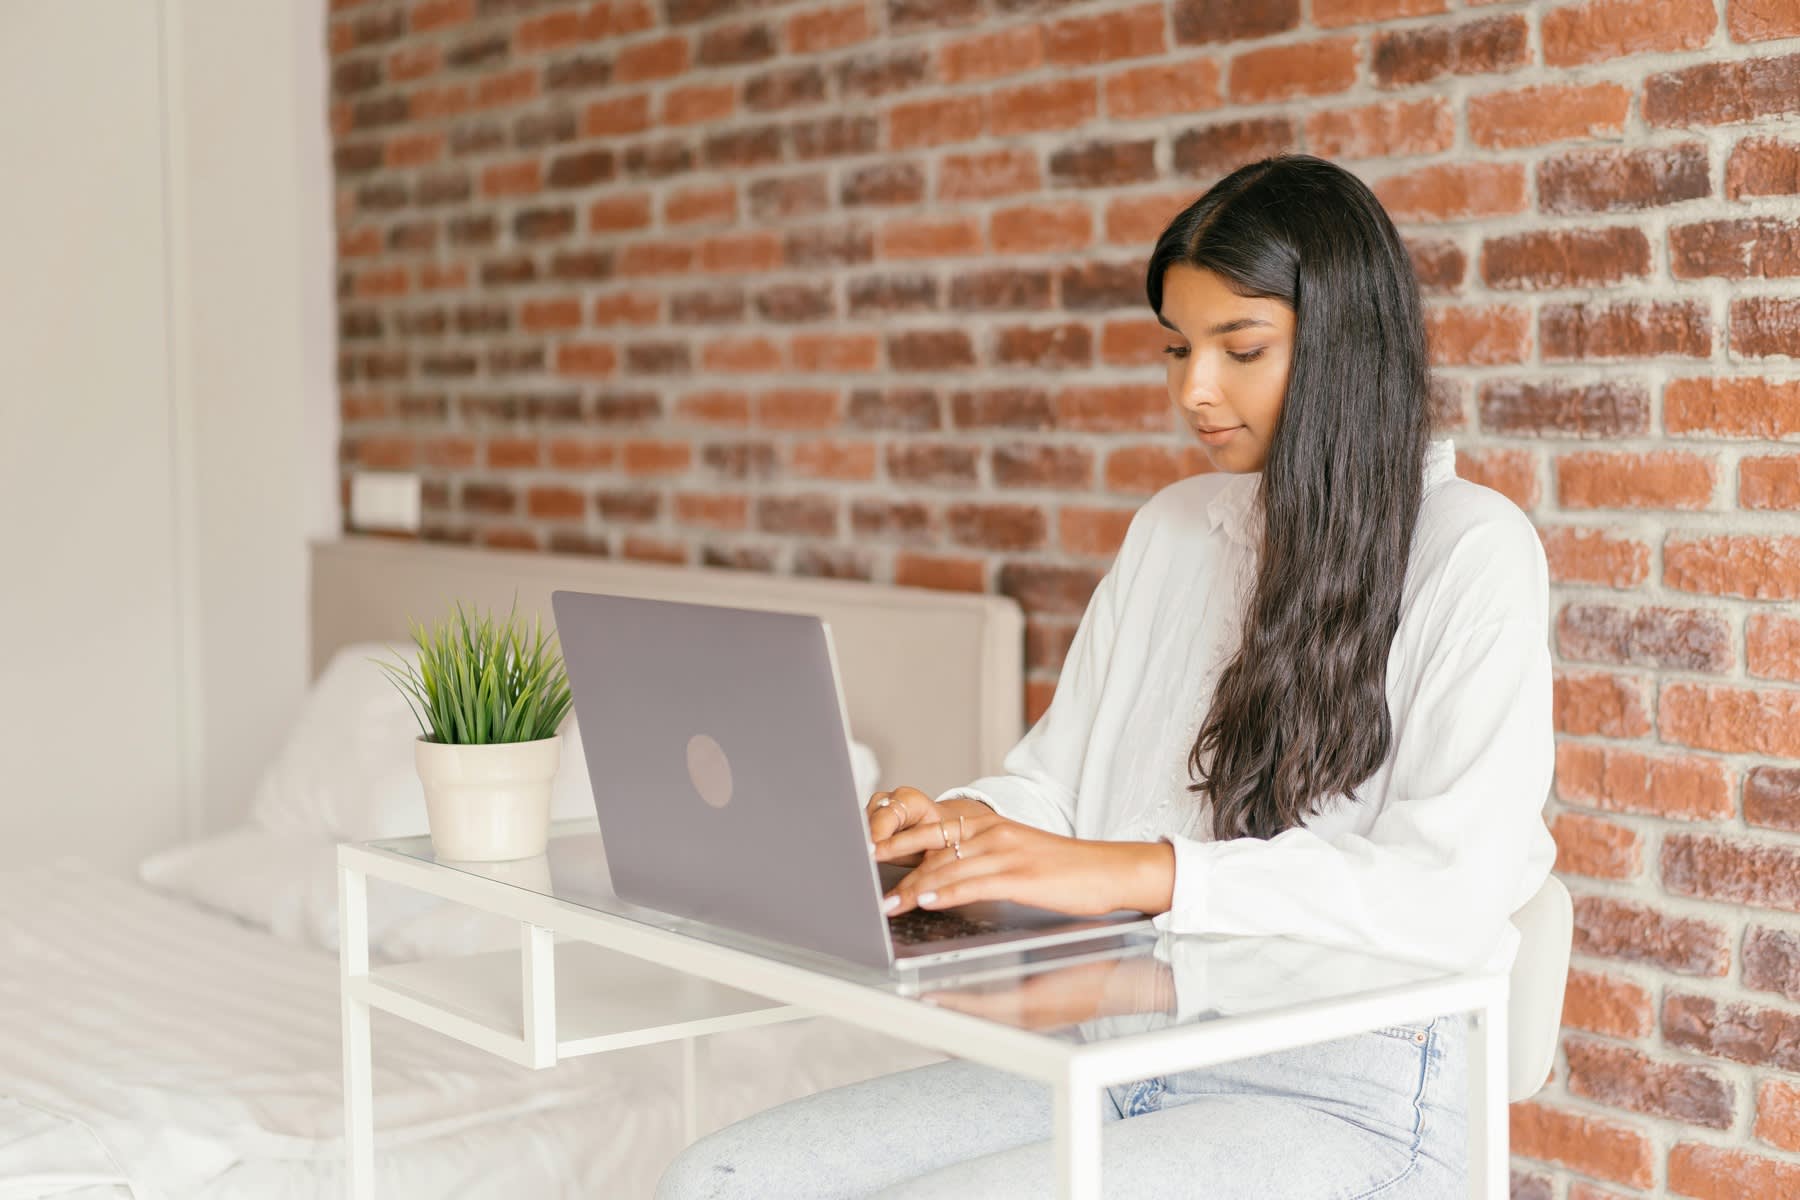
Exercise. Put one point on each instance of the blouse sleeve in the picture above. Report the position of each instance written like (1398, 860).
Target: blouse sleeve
(1039, 775)
(1457, 843)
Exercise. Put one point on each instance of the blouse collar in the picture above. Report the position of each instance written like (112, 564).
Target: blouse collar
(1234, 506)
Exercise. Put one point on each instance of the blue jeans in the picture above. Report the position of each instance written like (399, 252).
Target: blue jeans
(1380, 1114)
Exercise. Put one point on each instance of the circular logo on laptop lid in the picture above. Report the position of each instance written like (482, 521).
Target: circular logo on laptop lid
(709, 770)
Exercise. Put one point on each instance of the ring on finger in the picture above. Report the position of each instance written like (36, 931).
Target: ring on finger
(944, 831)
(958, 848)
(884, 802)
(905, 817)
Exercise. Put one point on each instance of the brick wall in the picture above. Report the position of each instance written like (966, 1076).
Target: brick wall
(856, 289)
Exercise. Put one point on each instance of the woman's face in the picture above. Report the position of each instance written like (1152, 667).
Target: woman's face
(1228, 364)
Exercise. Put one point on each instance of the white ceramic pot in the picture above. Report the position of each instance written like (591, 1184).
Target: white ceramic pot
(488, 803)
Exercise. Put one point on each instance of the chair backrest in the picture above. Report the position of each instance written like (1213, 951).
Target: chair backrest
(1540, 972)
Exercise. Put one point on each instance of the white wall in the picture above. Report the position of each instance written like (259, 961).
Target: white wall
(167, 411)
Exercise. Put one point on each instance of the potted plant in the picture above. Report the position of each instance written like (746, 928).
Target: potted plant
(488, 699)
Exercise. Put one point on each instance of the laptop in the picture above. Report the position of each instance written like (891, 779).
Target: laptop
(718, 745)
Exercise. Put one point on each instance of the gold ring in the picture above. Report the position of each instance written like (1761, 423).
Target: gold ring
(958, 849)
(905, 817)
(945, 831)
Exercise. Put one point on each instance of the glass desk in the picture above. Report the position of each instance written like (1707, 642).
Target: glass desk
(1078, 1017)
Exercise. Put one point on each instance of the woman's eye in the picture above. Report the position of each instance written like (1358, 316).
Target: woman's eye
(1247, 356)
(1176, 351)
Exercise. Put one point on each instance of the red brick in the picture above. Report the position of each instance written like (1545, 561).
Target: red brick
(439, 14)
(1454, 192)
(580, 454)
(1038, 694)
(940, 572)
(1735, 872)
(797, 409)
(1761, 20)
(1586, 1144)
(1142, 470)
(1094, 532)
(1328, 14)
(1714, 1173)
(1747, 565)
(1748, 248)
(1391, 129)
(592, 360)
(927, 463)
(1606, 408)
(1765, 325)
(1203, 21)
(1041, 229)
(1565, 258)
(1105, 37)
(1000, 527)
(551, 503)
(1512, 473)
(1300, 69)
(828, 29)
(987, 175)
(698, 103)
(936, 122)
(931, 237)
(1637, 933)
(1602, 29)
(1778, 1114)
(1772, 646)
(1772, 797)
(1623, 1077)
(1763, 166)
(1765, 409)
(1601, 704)
(709, 511)
(1668, 638)
(1121, 408)
(612, 214)
(1771, 482)
(1477, 335)
(1212, 150)
(1772, 956)
(1734, 1030)
(1532, 116)
(815, 516)
(1439, 263)
(1601, 1003)
(1039, 107)
(655, 550)
(837, 352)
(1623, 180)
(1162, 90)
(1485, 46)
(1052, 590)
(1719, 93)
(991, 55)
(656, 458)
(1660, 479)
(1065, 468)
(1595, 556)
(1735, 720)
(1625, 329)
(834, 460)
(1682, 788)
(1593, 846)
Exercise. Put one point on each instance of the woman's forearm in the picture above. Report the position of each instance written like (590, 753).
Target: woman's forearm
(1149, 877)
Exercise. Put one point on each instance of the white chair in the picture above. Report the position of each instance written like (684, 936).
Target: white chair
(1540, 972)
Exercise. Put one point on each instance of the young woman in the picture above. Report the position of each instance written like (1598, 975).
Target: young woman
(1311, 697)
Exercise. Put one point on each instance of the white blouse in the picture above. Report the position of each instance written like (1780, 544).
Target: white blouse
(1446, 838)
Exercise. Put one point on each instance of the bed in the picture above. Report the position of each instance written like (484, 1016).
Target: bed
(177, 1035)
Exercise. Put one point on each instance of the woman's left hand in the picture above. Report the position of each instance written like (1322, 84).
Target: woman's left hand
(1005, 860)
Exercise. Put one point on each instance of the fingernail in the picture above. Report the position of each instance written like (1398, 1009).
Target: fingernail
(927, 897)
(890, 904)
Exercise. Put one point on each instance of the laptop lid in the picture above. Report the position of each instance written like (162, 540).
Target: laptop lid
(719, 751)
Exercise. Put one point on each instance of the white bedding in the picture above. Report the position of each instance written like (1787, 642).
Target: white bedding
(152, 1049)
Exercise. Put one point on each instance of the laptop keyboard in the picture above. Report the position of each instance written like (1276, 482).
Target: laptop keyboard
(934, 925)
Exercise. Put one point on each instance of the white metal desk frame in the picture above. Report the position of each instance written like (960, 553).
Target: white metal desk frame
(1078, 1072)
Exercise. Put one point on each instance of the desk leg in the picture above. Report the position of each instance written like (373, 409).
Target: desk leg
(353, 963)
(1489, 1152)
(690, 1092)
(1077, 1139)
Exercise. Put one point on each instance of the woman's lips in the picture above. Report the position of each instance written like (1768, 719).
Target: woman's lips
(1216, 437)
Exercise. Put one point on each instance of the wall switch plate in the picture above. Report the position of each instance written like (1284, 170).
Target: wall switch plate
(385, 500)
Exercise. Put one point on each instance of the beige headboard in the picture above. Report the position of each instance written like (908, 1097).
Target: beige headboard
(934, 680)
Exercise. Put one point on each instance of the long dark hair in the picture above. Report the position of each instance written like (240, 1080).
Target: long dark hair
(1300, 713)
